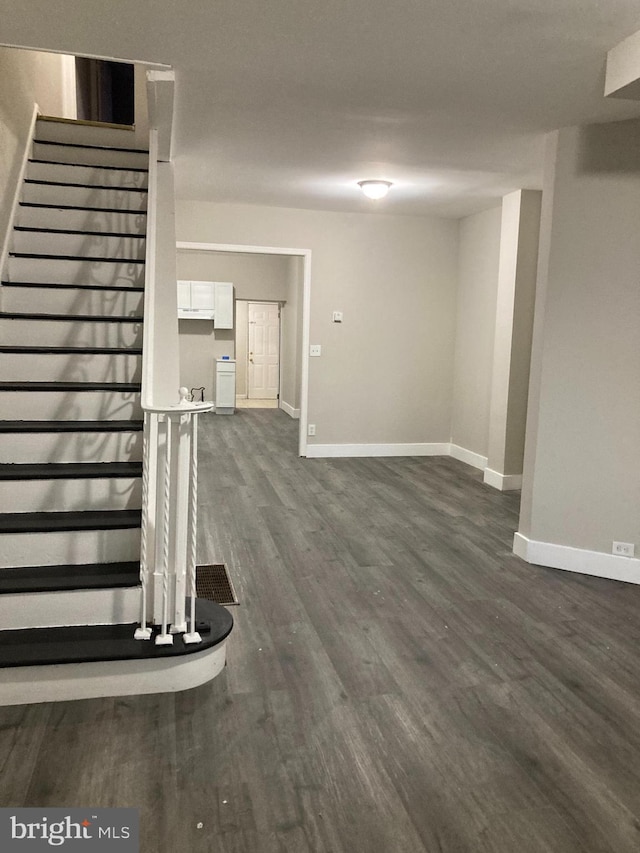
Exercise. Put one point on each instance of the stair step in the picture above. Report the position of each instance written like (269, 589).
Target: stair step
(77, 245)
(74, 154)
(71, 350)
(69, 426)
(86, 174)
(76, 387)
(58, 286)
(74, 165)
(92, 197)
(59, 522)
(84, 662)
(67, 577)
(69, 470)
(76, 271)
(69, 400)
(68, 318)
(67, 302)
(82, 135)
(42, 182)
(87, 258)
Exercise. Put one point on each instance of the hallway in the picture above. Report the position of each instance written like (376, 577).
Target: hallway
(397, 681)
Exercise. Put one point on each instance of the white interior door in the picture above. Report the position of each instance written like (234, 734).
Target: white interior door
(264, 351)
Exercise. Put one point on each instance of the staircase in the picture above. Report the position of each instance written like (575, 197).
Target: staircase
(71, 424)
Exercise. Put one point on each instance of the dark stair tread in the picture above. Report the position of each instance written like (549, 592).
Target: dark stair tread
(66, 577)
(68, 470)
(70, 426)
(44, 257)
(77, 232)
(83, 207)
(53, 350)
(57, 285)
(94, 146)
(92, 643)
(87, 165)
(55, 522)
(43, 183)
(70, 386)
(85, 318)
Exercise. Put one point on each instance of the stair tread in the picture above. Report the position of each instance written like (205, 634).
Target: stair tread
(62, 350)
(70, 426)
(54, 522)
(80, 231)
(82, 207)
(68, 470)
(93, 146)
(67, 577)
(92, 643)
(87, 165)
(38, 256)
(64, 286)
(69, 386)
(42, 183)
(92, 318)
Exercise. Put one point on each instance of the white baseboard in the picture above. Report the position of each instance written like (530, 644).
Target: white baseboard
(468, 456)
(288, 408)
(317, 451)
(503, 482)
(580, 560)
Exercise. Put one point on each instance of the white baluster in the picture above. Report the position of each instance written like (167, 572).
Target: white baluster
(193, 636)
(164, 638)
(143, 632)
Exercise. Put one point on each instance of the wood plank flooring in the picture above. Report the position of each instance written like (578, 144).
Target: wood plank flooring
(398, 681)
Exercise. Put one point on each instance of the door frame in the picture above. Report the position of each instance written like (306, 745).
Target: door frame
(280, 303)
(305, 254)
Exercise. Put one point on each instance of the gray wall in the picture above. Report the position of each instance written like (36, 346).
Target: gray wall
(582, 466)
(385, 374)
(27, 77)
(475, 328)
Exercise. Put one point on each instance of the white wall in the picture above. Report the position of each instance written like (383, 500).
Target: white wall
(385, 374)
(26, 77)
(582, 466)
(475, 329)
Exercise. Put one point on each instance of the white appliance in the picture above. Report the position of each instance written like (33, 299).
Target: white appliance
(225, 386)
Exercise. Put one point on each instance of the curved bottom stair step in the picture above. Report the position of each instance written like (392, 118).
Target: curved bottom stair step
(58, 664)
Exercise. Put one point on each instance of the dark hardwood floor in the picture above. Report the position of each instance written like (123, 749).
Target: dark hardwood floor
(398, 681)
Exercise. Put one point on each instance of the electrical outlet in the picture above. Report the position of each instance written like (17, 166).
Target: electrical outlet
(311, 429)
(315, 349)
(623, 549)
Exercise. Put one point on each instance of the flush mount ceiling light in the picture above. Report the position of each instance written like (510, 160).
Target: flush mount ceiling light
(375, 189)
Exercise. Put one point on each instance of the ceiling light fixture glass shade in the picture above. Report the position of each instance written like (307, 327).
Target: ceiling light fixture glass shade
(375, 189)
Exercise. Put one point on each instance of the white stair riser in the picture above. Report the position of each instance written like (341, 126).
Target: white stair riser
(79, 134)
(81, 220)
(71, 447)
(73, 607)
(106, 157)
(74, 547)
(23, 685)
(94, 174)
(86, 245)
(69, 405)
(78, 333)
(51, 300)
(47, 367)
(70, 495)
(84, 197)
(103, 273)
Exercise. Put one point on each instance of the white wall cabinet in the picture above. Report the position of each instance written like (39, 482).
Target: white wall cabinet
(206, 300)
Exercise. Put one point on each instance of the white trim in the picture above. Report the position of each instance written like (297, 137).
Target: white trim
(69, 95)
(24, 685)
(305, 254)
(18, 190)
(317, 451)
(146, 63)
(580, 560)
(468, 456)
(293, 413)
(503, 482)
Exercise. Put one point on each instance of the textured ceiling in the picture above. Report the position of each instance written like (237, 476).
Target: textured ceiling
(291, 102)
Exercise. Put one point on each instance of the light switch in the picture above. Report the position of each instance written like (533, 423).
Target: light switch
(315, 349)
(337, 317)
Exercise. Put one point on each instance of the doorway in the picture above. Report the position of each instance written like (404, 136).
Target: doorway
(261, 343)
(105, 91)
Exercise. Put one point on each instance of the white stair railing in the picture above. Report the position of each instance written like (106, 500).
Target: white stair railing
(169, 481)
(168, 552)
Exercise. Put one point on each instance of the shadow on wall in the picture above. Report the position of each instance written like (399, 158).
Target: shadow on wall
(612, 147)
